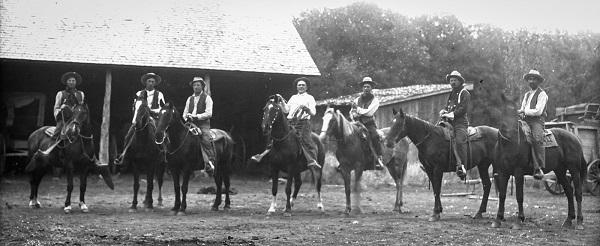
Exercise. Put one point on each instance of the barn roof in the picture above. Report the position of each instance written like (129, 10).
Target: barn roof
(394, 95)
(201, 34)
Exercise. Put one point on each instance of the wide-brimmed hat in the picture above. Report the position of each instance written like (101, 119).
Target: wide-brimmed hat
(533, 73)
(305, 79)
(368, 80)
(67, 75)
(455, 74)
(197, 79)
(150, 75)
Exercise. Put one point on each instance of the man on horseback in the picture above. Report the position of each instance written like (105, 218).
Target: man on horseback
(533, 111)
(198, 111)
(67, 98)
(363, 110)
(300, 108)
(456, 112)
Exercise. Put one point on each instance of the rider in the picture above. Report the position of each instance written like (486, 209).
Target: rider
(71, 80)
(198, 110)
(533, 111)
(363, 110)
(300, 108)
(456, 113)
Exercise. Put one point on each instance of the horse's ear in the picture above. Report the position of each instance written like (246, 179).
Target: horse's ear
(394, 112)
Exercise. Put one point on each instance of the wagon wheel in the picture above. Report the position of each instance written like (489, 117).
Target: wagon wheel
(593, 177)
(553, 186)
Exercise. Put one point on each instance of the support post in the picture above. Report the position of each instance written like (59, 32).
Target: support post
(105, 127)
(207, 82)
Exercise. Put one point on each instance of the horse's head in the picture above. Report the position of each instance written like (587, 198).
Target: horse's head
(330, 121)
(80, 118)
(165, 116)
(397, 130)
(141, 113)
(508, 118)
(271, 112)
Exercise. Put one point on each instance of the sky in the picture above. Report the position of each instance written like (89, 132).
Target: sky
(572, 16)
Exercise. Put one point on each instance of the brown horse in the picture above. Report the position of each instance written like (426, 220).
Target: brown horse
(286, 156)
(75, 154)
(435, 155)
(184, 156)
(353, 154)
(143, 155)
(513, 157)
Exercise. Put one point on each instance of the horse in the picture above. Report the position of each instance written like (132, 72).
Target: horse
(143, 155)
(353, 154)
(76, 154)
(436, 156)
(513, 157)
(184, 156)
(286, 156)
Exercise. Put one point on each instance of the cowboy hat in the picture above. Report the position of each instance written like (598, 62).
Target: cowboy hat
(455, 74)
(533, 73)
(198, 79)
(305, 79)
(151, 75)
(366, 80)
(67, 75)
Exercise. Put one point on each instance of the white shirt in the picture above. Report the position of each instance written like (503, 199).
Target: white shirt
(150, 97)
(370, 111)
(207, 112)
(539, 108)
(298, 100)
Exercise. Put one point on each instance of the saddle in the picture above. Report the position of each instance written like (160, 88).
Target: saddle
(368, 146)
(50, 131)
(472, 132)
(196, 131)
(548, 141)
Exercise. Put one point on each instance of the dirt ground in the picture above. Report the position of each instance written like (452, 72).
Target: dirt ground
(110, 223)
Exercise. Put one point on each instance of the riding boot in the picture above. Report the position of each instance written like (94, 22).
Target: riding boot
(461, 172)
(538, 156)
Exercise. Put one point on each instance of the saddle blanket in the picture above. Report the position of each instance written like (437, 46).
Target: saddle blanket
(548, 141)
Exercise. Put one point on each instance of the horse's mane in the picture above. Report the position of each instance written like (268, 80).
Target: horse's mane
(428, 126)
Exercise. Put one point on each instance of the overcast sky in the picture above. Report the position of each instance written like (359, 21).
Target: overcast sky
(534, 15)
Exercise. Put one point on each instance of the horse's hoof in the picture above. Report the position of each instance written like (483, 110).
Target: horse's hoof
(579, 227)
(287, 214)
(516, 226)
(181, 213)
(347, 211)
(67, 209)
(214, 208)
(434, 218)
(132, 210)
(496, 224)
(567, 224)
(83, 207)
(227, 207)
(477, 216)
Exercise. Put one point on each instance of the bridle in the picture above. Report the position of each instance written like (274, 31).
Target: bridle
(269, 126)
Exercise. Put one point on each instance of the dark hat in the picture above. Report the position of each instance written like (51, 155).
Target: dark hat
(535, 74)
(305, 79)
(367, 80)
(198, 79)
(150, 75)
(67, 75)
(455, 74)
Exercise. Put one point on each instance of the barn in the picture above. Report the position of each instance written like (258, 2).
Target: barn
(244, 57)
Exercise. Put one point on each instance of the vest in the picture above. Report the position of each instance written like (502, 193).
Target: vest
(200, 108)
(365, 104)
(453, 100)
(534, 103)
(154, 103)
(65, 94)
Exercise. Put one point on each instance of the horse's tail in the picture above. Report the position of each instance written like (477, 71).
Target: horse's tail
(583, 170)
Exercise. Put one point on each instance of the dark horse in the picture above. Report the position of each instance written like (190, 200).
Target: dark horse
(514, 158)
(353, 153)
(435, 155)
(144, 155)
(184, 156)
(286, 156)
(75, 154)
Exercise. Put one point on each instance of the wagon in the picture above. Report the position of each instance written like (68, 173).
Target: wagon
(23, 112)
(583, 120)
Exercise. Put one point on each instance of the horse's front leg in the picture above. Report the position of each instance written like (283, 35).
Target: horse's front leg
(356, 190)
(487, 185)
(36, 179)
(274, 180)
(501, 184)
(436, 182)
(577, 182)
(159, 178)
(218, 186)
(227, 188)
(347, 189)
(519, 181)
(288, 195)
(297, 185)
(136, 188)
(175, 176)
(317, 176)
(149, 190)
(184, 190)
(69, 170)
(82, 188)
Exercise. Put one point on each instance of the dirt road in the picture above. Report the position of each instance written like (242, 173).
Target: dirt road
(109, 222)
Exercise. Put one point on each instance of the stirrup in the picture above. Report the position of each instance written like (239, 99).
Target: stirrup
(538, 174)
(461, 172)
(315, 164)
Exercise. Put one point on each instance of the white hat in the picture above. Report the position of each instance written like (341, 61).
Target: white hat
(455, 74)
(368, 80)
(533, 73)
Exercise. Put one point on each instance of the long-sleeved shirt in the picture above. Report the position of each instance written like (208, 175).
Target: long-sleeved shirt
(370, 110)
(201, 116)
(540, 105)
(298, 100)
(60, 96)
(150, 97)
